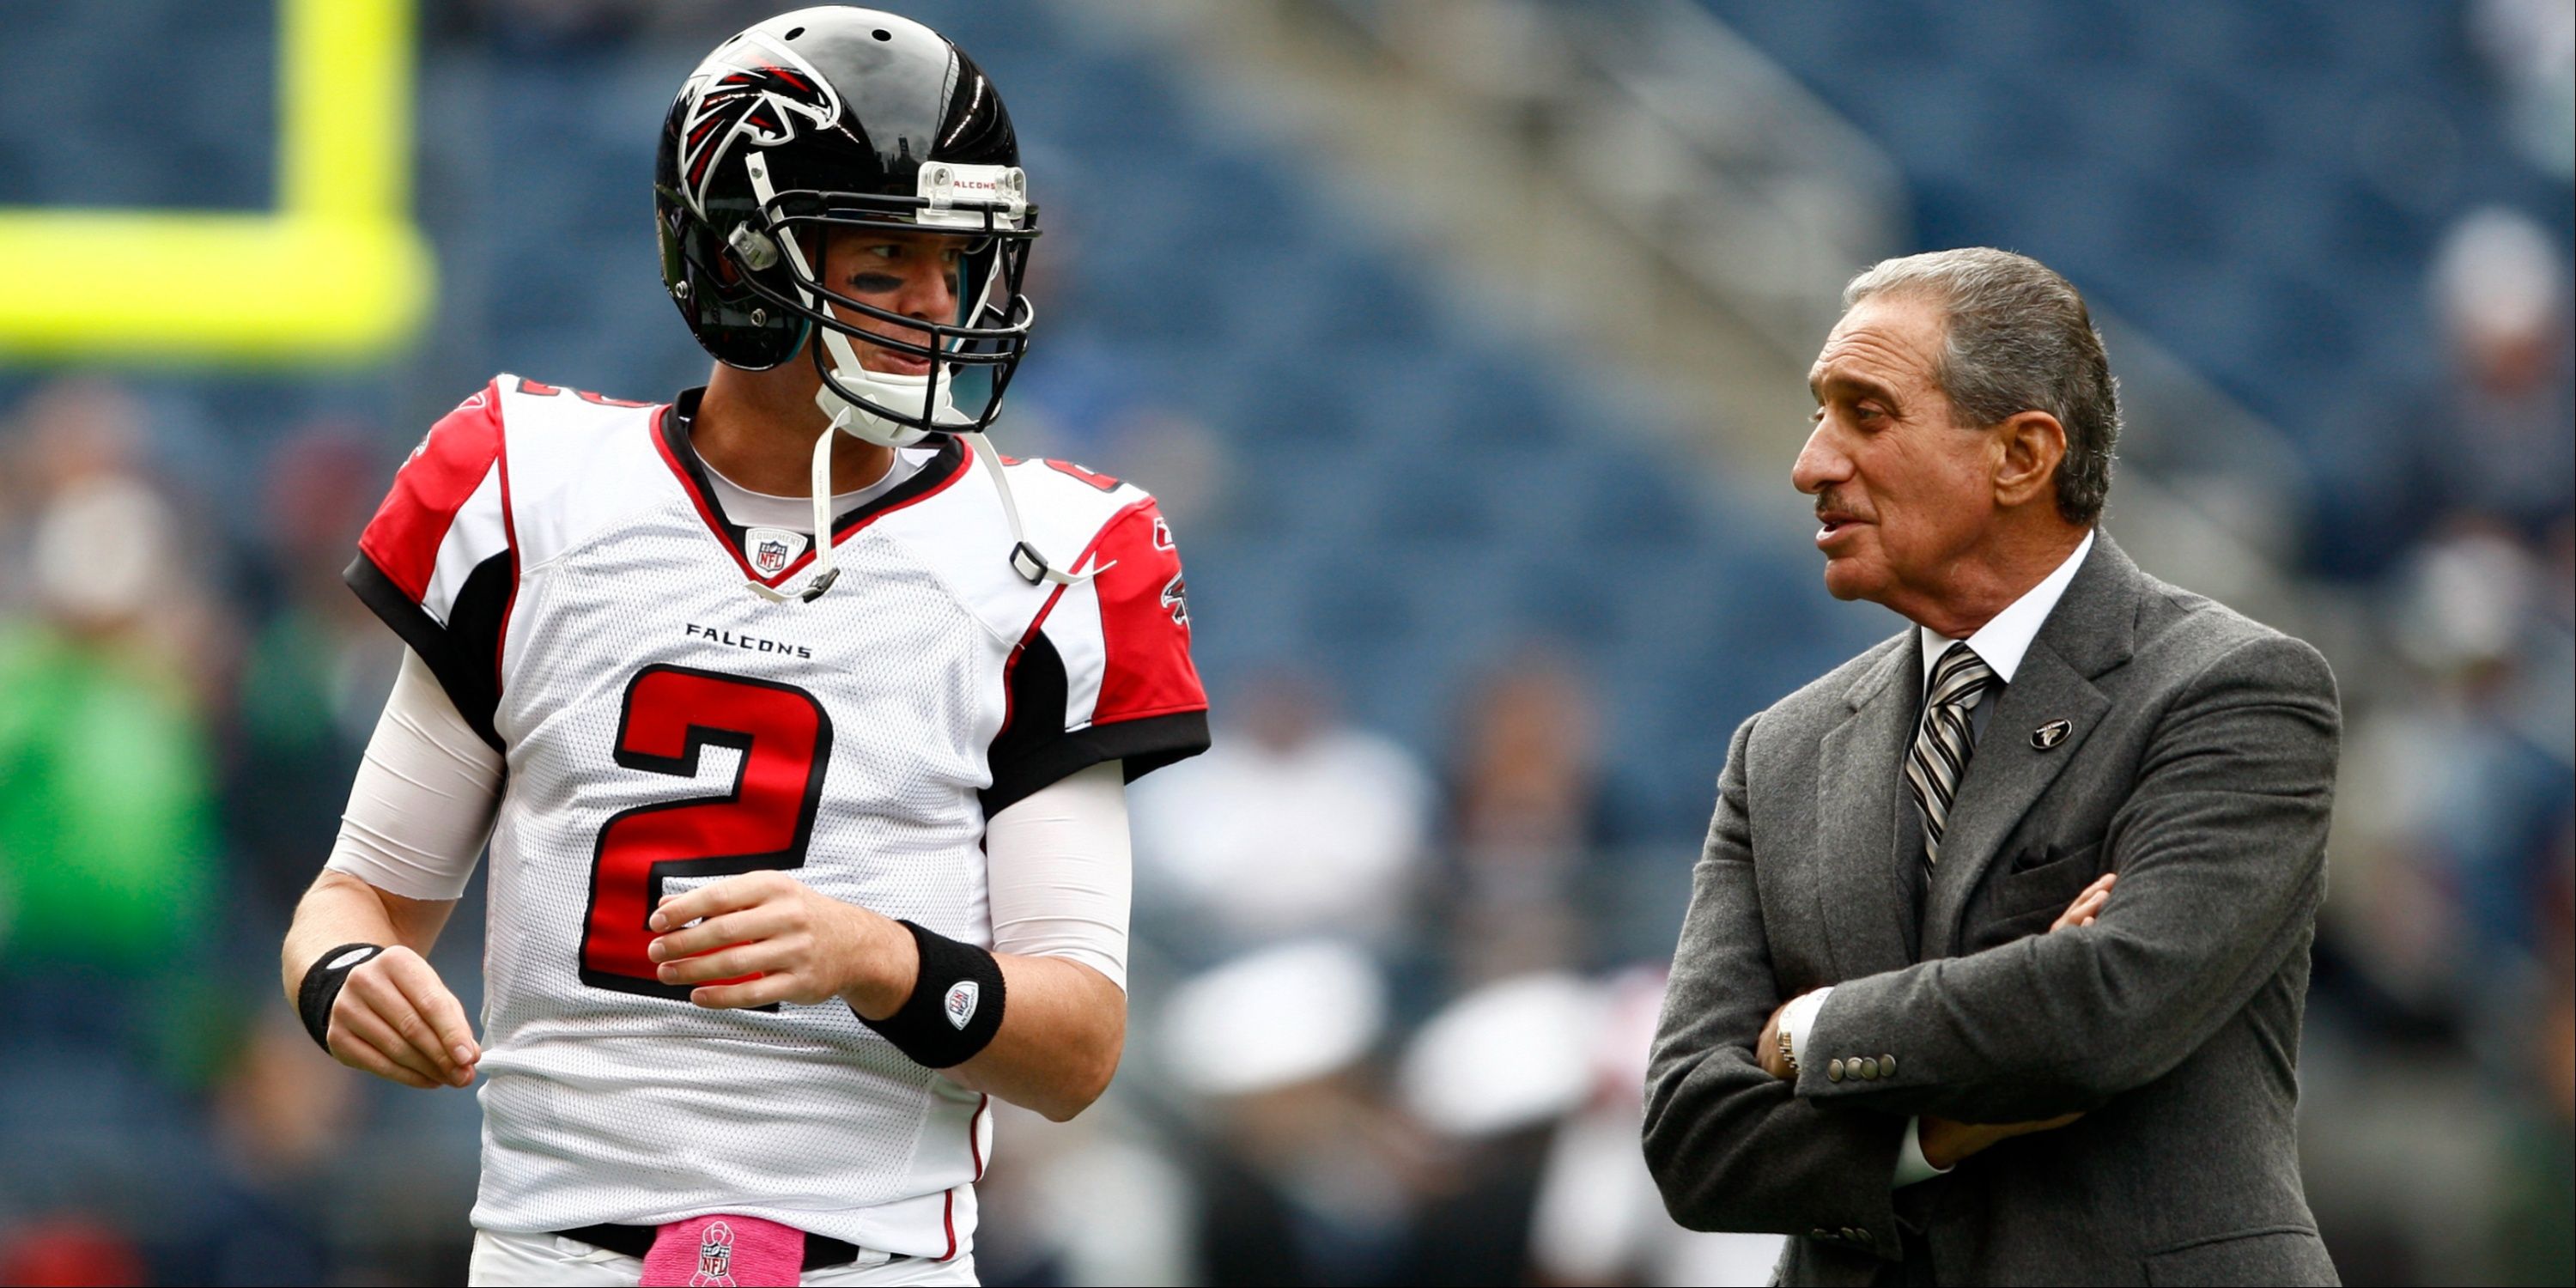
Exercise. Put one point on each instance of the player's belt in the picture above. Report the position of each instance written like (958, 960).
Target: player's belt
(635, 1240)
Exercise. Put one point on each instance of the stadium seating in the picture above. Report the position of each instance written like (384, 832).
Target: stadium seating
(2270, 249)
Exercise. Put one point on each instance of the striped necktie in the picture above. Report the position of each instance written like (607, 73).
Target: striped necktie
(1942, 746)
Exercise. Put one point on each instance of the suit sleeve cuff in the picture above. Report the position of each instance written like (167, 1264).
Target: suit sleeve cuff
(1798, 1017)
(1911, 1165)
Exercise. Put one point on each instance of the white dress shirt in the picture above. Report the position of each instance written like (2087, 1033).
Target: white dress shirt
(2000, 644)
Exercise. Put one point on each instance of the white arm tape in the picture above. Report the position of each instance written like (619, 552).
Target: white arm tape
(423, 802)
(1060, 868)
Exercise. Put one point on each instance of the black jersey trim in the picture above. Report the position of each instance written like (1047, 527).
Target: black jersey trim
(936, 471)
(465, 653)
(1143, 745)
(1035, 716)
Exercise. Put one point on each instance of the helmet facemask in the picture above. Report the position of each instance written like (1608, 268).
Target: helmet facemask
(971, 356)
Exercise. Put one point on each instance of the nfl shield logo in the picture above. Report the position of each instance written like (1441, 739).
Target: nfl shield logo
(772, 549)
(715, 1258)
(962, 997)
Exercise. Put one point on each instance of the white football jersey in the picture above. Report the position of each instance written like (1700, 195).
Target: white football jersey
(558, 561)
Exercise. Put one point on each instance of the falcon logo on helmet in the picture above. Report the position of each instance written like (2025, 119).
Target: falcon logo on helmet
(752, 88)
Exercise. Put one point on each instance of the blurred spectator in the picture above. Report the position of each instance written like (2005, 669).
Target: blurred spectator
(2445, 932)
(1599, 1218)
(106, 845)
(1094, 1201)
(2500, 288)
(1488, 1077)
(1300, 1168)
(70, 1251)
(2492, 436)
(1525, 822)
(285, 1118)
(314, 677)
(2531, 47)
(1294, 824)
(2462, 803)
(2497, 797)
(2536, 1221)
(68, 432)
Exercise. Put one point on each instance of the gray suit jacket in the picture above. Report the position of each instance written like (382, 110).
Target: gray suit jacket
(2200, 765)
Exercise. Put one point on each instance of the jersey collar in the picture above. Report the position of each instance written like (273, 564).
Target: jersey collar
(671, 435)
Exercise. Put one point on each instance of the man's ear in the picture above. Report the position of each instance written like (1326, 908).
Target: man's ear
(2033, 444)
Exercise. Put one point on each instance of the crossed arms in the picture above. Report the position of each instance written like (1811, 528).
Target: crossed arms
(2219, 848)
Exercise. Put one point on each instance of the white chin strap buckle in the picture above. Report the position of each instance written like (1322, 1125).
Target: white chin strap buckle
(1025, 559)
(1029, 562)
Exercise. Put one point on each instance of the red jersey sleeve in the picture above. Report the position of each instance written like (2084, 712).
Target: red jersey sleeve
(1144, 616)
(1106, 673)
(436, 563)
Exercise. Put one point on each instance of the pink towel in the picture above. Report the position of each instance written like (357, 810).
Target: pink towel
(720, 1251)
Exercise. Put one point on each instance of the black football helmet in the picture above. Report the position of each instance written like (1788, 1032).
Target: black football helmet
(844, 117)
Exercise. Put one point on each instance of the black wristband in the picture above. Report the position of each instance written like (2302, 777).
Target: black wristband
(322, 983)
(955, 1007)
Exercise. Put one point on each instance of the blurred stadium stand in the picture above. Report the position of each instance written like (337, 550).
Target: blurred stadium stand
(1466, 345)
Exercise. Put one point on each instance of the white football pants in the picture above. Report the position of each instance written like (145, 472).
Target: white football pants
(544, 1260)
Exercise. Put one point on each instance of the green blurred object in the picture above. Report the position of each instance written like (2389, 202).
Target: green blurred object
(2536, 1223)
(105, 813)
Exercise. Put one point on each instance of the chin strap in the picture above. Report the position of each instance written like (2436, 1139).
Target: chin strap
(1025, 558)
(825, 570)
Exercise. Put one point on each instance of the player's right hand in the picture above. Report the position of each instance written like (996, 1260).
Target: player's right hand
(395, 1020)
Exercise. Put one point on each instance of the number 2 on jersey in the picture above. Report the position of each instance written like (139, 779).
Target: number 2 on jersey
(672, 713)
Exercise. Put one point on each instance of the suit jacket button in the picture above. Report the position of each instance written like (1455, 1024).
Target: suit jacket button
(1860, 1236)
(1853, 1235)
(1834, 1070)
(1868, 1069)
(1820, 1233)
(1887, 1066)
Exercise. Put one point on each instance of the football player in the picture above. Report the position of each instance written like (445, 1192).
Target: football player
(797, 718)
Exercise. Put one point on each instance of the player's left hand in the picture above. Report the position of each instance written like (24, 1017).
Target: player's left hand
(763, 937)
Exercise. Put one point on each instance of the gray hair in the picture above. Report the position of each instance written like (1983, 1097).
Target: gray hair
(2018, 338)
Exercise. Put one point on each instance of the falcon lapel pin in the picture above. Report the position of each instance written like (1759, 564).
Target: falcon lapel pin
(2047, 736)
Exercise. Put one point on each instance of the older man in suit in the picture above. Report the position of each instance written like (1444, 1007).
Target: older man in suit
(1996, 954)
